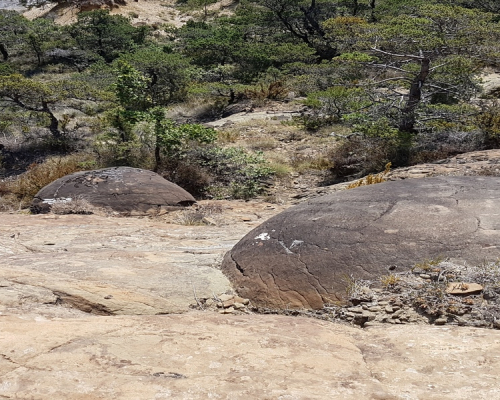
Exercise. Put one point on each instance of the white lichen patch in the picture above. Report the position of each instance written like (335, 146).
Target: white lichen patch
(263, 236)
(59, 200)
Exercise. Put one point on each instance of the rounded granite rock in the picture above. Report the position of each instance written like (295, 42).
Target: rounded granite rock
(306, 256)
(121, 189)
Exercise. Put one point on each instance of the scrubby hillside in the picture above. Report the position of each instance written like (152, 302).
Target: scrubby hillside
(311, 92)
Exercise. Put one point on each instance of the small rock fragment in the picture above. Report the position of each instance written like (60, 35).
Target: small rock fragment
(228, 303)
(241, 300)
(208, 221)
(225, 297)
(463, 288)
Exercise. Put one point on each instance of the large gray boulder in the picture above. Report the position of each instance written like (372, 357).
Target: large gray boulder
(305, 256)
(121, 189)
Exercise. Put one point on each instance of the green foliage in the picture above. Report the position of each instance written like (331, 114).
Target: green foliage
(489, 122)
(13, 27)
(40, 35)
(29, 103)
(235, 173)
(302, 20)
(438, 28)
(165, 75)
(174, 139)
(338, 101)
(345, 32)
(210, 45)
(107, 35)
(6, 69)
(131, 88)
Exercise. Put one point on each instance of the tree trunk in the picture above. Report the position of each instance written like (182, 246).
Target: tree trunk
(4, 52)
(372, 12)
(408, 118)
(54, 122)
(157, 158)
(355, 8)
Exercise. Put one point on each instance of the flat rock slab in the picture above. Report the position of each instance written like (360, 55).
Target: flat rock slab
(121, 189)
(208, 356)
(309, 254)
(116, 265)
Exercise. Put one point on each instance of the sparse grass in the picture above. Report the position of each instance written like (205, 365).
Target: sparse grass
(428, 265)
(355, 288)
(272, 91)
(189, 218)
(389, 280)
(199, 215)
(77, 205)
(227, 136)
(262, 144)
(281, 170)
(318, 162)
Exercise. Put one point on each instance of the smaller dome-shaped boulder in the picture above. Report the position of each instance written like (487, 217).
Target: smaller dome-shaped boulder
(121, 189)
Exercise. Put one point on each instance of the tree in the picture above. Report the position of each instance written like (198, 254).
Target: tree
(429, 58)
(19, 94)
(167, 74)
(105, 34)
(139, 103)
(39, 36)
(211, 45)
(303, 20)
(12, 29)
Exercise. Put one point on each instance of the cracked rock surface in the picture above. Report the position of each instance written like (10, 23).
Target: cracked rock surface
(202, 355)
(68, 264)
(57, 270)
(301, 257)
(121, 189)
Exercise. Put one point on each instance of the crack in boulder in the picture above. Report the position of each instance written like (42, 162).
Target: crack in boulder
(82, 304)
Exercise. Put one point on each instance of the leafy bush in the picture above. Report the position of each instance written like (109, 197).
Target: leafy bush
(489, 122)
(211, 171)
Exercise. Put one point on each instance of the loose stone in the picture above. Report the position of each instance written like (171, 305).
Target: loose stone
(225, 297)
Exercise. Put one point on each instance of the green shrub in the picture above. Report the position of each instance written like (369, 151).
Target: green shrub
(211, 171)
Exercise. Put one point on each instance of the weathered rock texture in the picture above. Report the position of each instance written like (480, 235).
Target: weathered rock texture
(307, 255)
(122, 189)
(209, 356)
(111, 266)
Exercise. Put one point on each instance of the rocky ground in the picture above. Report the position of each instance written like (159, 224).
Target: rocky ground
(64, 279)
(100, 306)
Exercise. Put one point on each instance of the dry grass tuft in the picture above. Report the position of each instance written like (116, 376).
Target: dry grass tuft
(20, 191)
(206, 214)
(389, 280)
(77, 205)
(371, 179)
